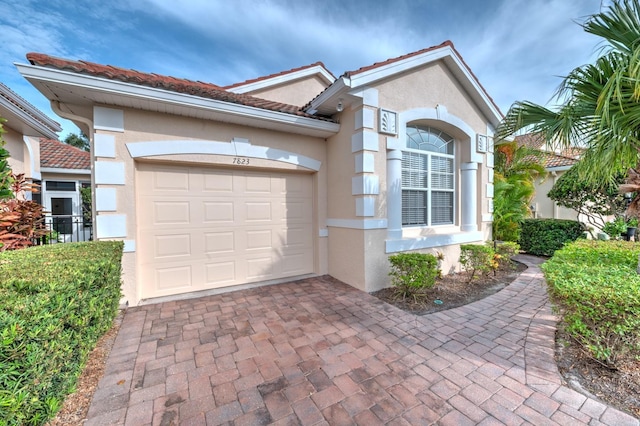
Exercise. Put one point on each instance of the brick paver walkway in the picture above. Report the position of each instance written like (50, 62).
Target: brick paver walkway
(320, 352)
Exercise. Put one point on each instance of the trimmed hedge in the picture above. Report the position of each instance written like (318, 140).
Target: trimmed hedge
(596, 285)
(542, 237)
(55, 303)
(411, 273)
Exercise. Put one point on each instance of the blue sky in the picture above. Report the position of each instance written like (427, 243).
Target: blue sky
(518, 49)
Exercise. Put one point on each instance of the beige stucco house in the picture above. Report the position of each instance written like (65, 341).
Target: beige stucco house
(290, 175)
(61, 170)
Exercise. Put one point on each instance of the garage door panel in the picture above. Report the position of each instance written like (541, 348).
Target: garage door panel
(218, 211)
(170, 180)
(171, 212)
(220, 273)
(258, 184)
(218, 182)
(172, 245)
(257, 240)
(230, 227)
(172, 278)
(260, 268)
(219, 242)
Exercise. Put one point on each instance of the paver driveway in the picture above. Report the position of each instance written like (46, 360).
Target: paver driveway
(320, 352)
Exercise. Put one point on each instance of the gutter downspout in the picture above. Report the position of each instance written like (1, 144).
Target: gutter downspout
(56, 107)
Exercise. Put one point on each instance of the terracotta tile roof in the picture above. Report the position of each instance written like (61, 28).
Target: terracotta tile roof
(195, 88)
(531, 140)
(551, 159)
(267, 77)
(58, 155)
(567, 157)
(446, 43)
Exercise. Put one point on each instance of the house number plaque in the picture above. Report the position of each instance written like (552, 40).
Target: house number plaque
(243, 161)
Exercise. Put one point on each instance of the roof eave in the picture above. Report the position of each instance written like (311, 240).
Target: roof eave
(30, 125)
(231, 112)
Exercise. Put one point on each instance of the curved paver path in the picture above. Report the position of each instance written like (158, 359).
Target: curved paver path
(320, 352)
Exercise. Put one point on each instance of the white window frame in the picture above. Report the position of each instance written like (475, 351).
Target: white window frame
(429, 188)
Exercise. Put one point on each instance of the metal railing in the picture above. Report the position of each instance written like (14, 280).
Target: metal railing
(66, 229)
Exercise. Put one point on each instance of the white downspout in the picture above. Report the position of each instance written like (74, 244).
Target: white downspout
(55, 106)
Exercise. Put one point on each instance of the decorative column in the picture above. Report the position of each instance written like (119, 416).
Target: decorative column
(469, 195)
(394, 194)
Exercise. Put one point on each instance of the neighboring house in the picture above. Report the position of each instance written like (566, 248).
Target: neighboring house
(213, 187)
(24, 127)
(65, 171)
(556, 163)
(60, 169)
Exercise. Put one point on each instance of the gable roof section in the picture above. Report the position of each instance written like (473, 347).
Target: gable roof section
(57, 155)
(24, 117)
(282, 77)
(189, 87)
(381, 70)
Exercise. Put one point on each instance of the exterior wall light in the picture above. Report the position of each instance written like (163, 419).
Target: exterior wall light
(340, 106)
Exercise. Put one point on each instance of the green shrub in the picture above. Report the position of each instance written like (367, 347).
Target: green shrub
(542, 237)
(55, 303)
(615, 228)
(504, 252)
(411, 273)
(596, 286)
(477, 258)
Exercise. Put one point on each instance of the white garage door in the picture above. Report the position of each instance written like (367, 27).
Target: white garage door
(204, 228)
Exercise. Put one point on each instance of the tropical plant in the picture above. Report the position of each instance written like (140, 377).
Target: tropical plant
(516, 167)
(591, 200)
(599, 102)
(21, 220)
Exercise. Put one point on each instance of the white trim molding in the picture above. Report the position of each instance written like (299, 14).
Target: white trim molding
(238, 147)
(34, 174)
(106, 200)
(364, 140)
(109, 172)
(357, 223)
(431, 241)
(111, 226)
(108, 119)
(86, 172)
(365, 185)
(104, 145)
(129, 246)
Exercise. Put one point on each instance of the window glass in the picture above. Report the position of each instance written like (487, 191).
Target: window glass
(428, 179)
(56, 185)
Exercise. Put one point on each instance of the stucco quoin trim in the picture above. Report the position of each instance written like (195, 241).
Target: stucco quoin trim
(237, 148)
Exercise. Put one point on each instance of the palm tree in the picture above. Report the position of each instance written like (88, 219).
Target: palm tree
(515, 170)
(599, 103)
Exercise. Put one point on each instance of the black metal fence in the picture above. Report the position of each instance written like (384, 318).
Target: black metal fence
(66, 229)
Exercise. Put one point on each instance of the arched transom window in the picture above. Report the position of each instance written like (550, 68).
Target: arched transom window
(428, 185)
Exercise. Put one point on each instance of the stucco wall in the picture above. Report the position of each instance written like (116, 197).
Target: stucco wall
(19, 160)
(298, 92)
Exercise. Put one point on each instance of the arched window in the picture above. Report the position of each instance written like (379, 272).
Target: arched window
(428, 184)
